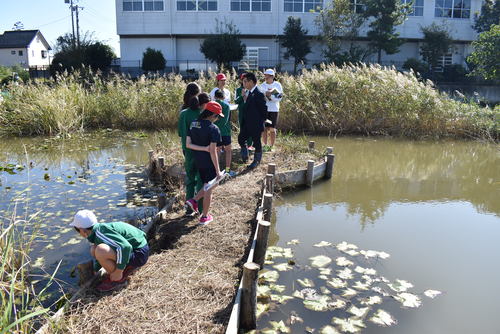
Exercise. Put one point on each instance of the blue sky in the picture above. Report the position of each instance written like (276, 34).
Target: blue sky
(53, 18)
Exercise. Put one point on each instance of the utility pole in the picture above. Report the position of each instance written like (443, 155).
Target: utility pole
(70, 2)
(77, 25)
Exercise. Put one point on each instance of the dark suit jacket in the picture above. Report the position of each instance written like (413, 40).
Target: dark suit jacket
(256, 112)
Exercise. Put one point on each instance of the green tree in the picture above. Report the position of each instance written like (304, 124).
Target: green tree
(294, 39)
(437, 41)
(153, 60)
(486, 55)
(338, 23)
(490, 14)
(224, 45)
(386, 15)
(90, 53)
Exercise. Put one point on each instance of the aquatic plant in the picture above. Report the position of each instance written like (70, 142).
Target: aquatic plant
(360, 99)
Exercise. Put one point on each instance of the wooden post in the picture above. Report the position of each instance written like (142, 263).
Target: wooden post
(161, 162)
(162, 201)
(259, 255)
(310, 173)
(268, 207)
(329, 150)
(311, 145)
(150, 154)
(330, 159)
(270, 183)
(248, 311)
(271, 169)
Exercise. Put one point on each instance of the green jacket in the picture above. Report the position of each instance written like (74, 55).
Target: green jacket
(120, 236)
(241, 104)
(224, 123)
(185, 118)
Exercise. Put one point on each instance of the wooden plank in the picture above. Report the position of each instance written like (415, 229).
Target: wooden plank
(291, 178)
(319, 171)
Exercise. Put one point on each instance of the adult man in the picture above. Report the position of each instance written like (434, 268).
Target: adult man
(253, 122)
(274, 92)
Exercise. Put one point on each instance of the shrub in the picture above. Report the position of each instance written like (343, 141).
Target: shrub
(153, 60)
(416, 65)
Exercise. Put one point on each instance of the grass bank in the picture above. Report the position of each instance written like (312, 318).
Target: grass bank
(360, 99)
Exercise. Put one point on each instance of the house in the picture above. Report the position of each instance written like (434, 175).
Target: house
(27, 48)
(178, 27)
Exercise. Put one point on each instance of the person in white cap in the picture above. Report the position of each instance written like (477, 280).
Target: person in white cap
(118, 247)
(221, 84)
(274, 93)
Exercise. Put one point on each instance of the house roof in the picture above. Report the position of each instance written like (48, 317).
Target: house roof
(20, 39)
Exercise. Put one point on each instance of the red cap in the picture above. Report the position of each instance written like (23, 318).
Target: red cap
(220, 76)
(242, 75)
(215, 108)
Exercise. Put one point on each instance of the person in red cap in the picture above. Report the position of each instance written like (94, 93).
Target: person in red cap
(202, 138)
(221, 84)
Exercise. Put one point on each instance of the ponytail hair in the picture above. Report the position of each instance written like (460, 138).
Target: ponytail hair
(194, 103)
(192, 89)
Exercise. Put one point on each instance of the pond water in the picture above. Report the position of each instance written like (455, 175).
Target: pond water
(102, 171)
(433, 206)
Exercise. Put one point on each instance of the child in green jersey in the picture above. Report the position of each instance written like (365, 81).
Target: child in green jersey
(224, 125)
(118, 247)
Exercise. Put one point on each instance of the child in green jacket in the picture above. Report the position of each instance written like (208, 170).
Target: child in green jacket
(118, 247)
(224, 125)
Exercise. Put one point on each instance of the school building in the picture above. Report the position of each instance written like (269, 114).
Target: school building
(178, 27)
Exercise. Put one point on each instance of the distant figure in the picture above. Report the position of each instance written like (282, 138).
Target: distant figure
(202, 138)
(118, 247)
(239, 99)
(255, 115)
(224, 125)
(192, 89)
(274, 93)
(192, 181)
(221, 84)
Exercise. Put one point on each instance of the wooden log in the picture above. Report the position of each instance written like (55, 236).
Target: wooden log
(329, 150)
(330, 159)
(161, 162)
(311, 145)
(271, 169)
(162, 201)
(268, 207)
(150, 155)
(310, 173)
(259, 254)
(248, 311)
(270, 183)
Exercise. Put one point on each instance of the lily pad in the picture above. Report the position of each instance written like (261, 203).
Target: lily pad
(320, 304)
(343, 262)
(325, 271)
(408, 299)
(382, 318)
(261, 309)
(280, 298)
(306, 282)
(336, 283)
(277, 287)
(344, 246)
(361, 286)
(279, 326)
(293, 242)
(282, 267)
(358, 312)
(320, 261)
(365, 271)
(349, 293)
(324, 290)
(269, 276)
(345, 273)
(349, 325)
(372, 300)
(329, 330)
(432, 293)
(400, 285)
(323, 244)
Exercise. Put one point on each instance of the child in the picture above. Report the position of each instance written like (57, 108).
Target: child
(118, 247)
(224, 125)
(221, 83)
(274, 93)
(202, 138)
(192, 89)
(192, 181)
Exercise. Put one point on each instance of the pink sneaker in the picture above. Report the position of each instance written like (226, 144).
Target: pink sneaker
(191, 204)
(205, 220)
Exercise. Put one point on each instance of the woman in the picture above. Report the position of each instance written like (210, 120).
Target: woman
(221, 84)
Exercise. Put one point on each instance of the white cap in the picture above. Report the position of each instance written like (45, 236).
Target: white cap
(84, 219)
(269, 72)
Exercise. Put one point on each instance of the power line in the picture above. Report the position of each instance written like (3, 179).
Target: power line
(58, 20)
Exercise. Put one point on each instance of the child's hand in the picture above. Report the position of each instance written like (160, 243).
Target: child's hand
(207, 148)
(219, 176)
(116, 275)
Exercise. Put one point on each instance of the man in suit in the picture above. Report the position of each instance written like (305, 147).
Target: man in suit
(253, 123)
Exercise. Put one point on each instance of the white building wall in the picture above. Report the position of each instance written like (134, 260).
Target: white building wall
(9, 59)
(35, 53)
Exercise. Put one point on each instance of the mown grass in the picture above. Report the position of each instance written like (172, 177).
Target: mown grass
(357, 99)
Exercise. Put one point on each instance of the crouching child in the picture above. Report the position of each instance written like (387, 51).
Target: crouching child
(118, 247)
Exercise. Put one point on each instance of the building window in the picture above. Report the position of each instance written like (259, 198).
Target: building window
(200, 5)
(457, 9)
(142, 5)
(20, 52)
(357, 6)
(251, 5)
(302, 6)
(445, 60)
(13, 52)
(417, 6)
(44, 54)
(240, 5)
(32, 53)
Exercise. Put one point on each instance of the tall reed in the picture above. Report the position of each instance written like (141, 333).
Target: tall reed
(361, 99)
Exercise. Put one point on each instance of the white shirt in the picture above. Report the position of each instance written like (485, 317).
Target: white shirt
(273, 103)
(227, 95)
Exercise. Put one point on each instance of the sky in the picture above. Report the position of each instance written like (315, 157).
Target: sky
(53, 18)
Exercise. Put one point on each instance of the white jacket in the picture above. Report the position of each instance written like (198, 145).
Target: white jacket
(273, 103)
(227, 95)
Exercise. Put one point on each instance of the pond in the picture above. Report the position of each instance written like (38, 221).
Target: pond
(432, 206)
(102, 171)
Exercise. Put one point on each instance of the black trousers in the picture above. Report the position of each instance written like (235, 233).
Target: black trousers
(245, 134)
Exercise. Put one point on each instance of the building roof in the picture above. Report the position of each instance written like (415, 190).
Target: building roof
(20, 39)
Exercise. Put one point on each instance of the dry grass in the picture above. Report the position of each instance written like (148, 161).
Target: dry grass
(190, 281)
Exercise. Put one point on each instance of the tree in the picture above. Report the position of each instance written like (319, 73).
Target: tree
(437, 42)
(90, 53)
(386, 15)
(153, 60)
(224, 45)
(295, 41)
(338, 23)
(486, 55)
(490, 14)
